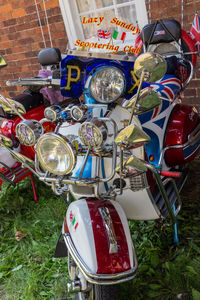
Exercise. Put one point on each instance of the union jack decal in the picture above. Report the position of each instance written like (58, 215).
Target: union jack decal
(103, 34)
(168, 87)
(195, 31)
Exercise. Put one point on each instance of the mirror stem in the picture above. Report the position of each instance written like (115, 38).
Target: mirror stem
(137, 96)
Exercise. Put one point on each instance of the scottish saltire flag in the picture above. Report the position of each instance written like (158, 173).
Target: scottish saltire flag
(103, 34)
(195, 31)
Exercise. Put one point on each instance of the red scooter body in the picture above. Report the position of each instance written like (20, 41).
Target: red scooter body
(182, 141)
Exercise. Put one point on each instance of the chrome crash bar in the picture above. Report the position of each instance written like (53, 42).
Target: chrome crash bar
(99, 278)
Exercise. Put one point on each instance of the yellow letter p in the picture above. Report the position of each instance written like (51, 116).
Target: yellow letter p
(70, 78)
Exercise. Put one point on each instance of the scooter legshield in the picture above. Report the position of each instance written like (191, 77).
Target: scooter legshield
(97, 235)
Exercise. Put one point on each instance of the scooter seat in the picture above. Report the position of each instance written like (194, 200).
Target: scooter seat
(161, 32)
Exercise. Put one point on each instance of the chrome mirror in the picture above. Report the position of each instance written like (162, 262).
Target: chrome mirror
(131, 137)
(4, 140)
(147, 100)
(3, 63)
(152, 65)
(12, 106)
(136, 163)
(132, 166)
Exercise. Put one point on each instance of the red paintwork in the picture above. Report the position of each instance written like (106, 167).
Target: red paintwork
(108, 263)
(182, 122)
(8, 127)
(20, 173)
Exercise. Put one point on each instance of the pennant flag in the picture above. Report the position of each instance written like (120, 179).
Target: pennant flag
(103, 34)
(195, 31)
(123, 36)
(138, 40)
(115, 34)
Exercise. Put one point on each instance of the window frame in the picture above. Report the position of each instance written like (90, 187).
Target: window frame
(76, 32)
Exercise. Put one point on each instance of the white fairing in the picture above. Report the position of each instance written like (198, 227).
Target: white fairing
(82, 236)
(137, 205)
(80, 227)
(6, 158)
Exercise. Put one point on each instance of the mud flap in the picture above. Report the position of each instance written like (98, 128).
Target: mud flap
(61, 249)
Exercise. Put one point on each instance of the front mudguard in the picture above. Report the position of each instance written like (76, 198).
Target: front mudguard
(97, 236)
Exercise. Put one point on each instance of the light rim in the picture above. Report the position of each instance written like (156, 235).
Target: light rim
(66, 144)
(80, 110)
(98, 131)
(26, 123)
(100, 69)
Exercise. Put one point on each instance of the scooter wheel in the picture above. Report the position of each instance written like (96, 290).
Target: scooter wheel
(100, 292)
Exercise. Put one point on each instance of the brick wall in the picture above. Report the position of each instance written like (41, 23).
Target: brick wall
(21, 38)
(168, 9)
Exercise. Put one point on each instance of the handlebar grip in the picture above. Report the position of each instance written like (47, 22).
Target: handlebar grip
(170, 174)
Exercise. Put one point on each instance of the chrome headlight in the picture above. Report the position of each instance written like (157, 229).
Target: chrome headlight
(107, 85)
(79, 112)
(55, 153)
(28, 132)
(52, 113)
(93, 133)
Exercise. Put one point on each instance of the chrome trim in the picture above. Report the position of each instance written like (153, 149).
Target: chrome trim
(35, 130)
(68, 148)
(83, 181)
(87, 54)
(34, 81)
(177, 194)
(191, 73)
(192, 139)
(107, 220)
(94, 277)
(25, 161)
(163, 192)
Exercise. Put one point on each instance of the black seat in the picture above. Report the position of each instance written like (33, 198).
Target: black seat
(161, 32)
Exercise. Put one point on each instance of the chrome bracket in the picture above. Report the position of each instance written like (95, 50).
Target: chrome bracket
(105, 214)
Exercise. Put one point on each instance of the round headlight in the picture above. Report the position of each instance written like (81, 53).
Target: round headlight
(78, 112)
(28, 132)
(93, 133)
(55, 154)
(107, 85)
(52, 113)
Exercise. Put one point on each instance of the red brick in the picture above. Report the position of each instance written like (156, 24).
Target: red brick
(5, 8)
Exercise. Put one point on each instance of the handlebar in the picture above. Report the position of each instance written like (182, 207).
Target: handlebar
(35, 81)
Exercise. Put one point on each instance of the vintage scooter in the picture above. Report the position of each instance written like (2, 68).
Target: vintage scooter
(119, 160)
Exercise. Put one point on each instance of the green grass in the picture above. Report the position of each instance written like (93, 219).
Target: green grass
(28, 270)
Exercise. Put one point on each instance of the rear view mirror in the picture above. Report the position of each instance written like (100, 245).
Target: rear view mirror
(4, 140)
(131, 137)
(147, 100)
(12, 106)
(3, 63)
(49, 56)
(152, 65)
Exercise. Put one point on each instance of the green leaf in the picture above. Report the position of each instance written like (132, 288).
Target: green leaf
(154, 286)
(43, 293)
(155, 260)
(195, 294)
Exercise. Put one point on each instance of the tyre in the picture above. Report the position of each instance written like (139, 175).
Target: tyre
(100, 292)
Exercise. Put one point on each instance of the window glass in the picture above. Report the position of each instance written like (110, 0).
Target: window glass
(103, 22)
(84, 5)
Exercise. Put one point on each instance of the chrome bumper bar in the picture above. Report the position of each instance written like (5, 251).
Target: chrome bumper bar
(94, 277)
